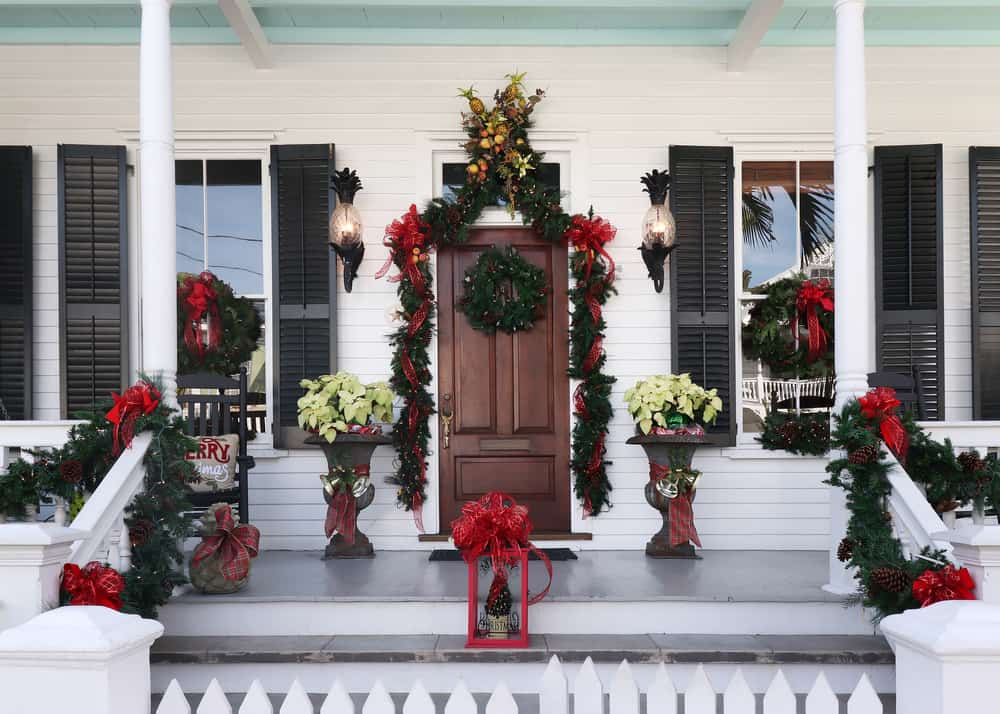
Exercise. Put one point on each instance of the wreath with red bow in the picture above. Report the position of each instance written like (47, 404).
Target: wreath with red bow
(791, 329)
(217, 331)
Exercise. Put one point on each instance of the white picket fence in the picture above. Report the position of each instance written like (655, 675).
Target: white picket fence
(553, 697)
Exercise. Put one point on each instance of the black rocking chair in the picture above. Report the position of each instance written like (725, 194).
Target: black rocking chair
(908, 389)
(214, 406)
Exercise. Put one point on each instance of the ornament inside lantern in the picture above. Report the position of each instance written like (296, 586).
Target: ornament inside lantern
(498, 602)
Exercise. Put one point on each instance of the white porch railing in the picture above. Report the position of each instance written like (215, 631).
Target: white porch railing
(758, 391)
(553, 697)
(103, 515)
(915, 523)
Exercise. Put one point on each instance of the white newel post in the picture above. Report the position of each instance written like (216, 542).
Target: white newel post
(977, 548)
(947, 657)
(854, 317)
(85, 660)
(31, 561)
(157, 203)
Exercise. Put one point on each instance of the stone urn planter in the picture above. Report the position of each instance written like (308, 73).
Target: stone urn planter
(349, 451)
(669, 495)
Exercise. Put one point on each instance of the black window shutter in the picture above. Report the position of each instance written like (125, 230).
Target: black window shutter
(93, 275)
(908, 268)
(16, 273)
(701, 270)
(984, 203)
(304, 277)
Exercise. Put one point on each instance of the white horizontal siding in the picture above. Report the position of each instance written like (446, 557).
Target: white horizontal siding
(630, 103)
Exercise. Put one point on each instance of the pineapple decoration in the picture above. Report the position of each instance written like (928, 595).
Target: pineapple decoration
(498, 146)
(499, 603)
(346, 226)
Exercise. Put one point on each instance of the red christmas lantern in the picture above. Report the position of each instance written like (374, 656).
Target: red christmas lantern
(492, 534)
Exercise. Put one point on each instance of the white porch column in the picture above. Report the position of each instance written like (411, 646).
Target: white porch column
(157, 203)
(853, 252)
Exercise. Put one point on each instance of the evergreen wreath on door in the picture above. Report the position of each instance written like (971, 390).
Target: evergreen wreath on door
(501, 168)
(503, 291)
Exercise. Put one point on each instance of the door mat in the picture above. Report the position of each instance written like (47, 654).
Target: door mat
(450, 555)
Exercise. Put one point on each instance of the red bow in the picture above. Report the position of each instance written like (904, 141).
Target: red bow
(199, 297)
(680, 510)
(813, 295)
(341, 512)
(590, 235)
(406, 239)
(497, 527)
(945, 584)
(138, 400)
(236, 544)
(94, 584)
(880, 404)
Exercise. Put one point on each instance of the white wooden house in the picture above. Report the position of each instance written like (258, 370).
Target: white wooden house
(192, 135)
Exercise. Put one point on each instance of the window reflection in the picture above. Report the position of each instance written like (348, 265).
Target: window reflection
(769, 217)
(453, 178)
(190, 216)
(235, 231)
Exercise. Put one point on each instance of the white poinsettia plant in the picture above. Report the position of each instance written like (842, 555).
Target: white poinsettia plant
(660, 399)
(334, 402)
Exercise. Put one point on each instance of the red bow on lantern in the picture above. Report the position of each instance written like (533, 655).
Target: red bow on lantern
(813, 295)
(341, 512)
(946, 584)
(94, 584)
(198, 297)
(680, 510)
(138, 400)
(497, 527)
(236, 544)
(880, 404)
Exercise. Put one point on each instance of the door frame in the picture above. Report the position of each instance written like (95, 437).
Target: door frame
(571, 150)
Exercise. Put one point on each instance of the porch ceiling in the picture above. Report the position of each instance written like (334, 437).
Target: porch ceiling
(484, 22)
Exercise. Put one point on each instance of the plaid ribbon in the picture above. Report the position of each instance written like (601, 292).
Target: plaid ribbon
(94, 584)
(236, 545)
(680, 512)
(342, 512)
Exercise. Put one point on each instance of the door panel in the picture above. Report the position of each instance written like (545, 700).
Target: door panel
(509, 394)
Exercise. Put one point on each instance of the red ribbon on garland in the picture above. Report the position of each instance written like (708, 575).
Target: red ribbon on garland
(498, 527)
(681, 510)
(880, 404)
(590, 235)
(94, 584)
(198, 298)
(237, 544)
(341, 513)
(946, 584)
(138, 400)
(407, 240)
(812, 296)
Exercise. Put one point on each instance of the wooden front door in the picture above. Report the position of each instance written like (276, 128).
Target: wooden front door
(508, 394)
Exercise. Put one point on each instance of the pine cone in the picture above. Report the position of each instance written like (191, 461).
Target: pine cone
(845, 551)
(891, 580)
(971, 462)
(71, 471)
(866, 454)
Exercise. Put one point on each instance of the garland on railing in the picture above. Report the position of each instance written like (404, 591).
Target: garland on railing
(501, 169)
(888, 581)
(155, 519)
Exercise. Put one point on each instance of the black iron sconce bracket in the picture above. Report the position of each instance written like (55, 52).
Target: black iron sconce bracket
(352, 258)
(655, 258)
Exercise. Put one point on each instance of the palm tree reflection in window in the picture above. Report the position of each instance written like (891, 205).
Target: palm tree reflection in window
(770, 206)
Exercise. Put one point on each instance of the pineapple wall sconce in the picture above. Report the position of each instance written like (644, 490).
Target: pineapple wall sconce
(345, 225)
(659, 231)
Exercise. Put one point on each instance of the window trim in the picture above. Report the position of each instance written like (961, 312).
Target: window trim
(194, 150)
(739, 157)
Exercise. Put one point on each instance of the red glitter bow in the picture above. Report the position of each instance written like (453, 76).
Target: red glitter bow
(341, 512)
(813, 295)
(880, 404)
(589, 236)
(681, 510)
(946, 584)
(138, 400)
(236, 544)
(94, 584)
(497, 527)
(406, 239)
(199, 297)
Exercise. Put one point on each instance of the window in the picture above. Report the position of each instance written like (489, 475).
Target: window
(453, 178)
(220, 227)
(787, 220)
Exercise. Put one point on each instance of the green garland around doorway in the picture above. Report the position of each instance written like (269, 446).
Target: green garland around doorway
(501, 168)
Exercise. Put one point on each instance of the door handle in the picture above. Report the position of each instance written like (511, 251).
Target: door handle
(447, 414)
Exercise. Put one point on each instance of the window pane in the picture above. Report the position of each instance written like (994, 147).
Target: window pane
(816, 217)
(769, 235)
(235, 231)
(453, 178)
(190, 217)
